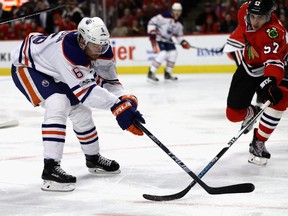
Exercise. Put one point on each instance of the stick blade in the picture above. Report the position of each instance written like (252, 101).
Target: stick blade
(160, 198)
(238, 188)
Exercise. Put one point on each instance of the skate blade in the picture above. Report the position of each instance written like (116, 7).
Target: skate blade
(170, 80)
(101, 172)
(261, 161)
(57, 187)
(152, 81)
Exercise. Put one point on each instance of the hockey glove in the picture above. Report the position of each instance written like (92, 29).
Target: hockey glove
(125, 114)
(268, 90)
(185, 44)
(131, 98)
(152, 37)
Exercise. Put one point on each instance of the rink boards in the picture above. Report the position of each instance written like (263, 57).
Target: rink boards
(133, 55)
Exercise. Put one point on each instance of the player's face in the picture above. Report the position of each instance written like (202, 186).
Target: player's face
(176, 14)
(93, 51)
(257, 21)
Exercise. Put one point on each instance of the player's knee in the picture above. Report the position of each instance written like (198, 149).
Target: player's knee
(57, 107)
(161, 56)
(235, 115)
(172, 55)
(81, 116)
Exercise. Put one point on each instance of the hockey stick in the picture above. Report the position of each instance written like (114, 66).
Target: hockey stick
(239, 188)
(216, 51)
(33, 14)
(209, 50)
(182, 193)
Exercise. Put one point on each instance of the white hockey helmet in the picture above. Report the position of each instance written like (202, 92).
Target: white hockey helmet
(94, 30)
(177, 6)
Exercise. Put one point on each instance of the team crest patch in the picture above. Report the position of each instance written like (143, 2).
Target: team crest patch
(272, 33)
(251, 52)
(45, 83)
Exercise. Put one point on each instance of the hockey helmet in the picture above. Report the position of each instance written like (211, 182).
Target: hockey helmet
(261, 7)
(94, 30)
(176, 10)
(177, 6)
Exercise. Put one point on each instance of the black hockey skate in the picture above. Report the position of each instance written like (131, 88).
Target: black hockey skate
(97, 164)
(258, 152)
(55, 178)
(168, 76)
(152, 77)
(252, 111)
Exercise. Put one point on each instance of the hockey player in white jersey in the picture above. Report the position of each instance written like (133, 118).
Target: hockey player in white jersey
(161, 29)
(68, 73)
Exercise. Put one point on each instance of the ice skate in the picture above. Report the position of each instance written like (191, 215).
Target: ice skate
(56, 179)
(97, 164)
(258, 152)
(152, 77)
(169, 76)
(252, 111)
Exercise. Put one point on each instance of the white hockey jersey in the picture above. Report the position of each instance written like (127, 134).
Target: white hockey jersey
(166, 27)
(59, 56)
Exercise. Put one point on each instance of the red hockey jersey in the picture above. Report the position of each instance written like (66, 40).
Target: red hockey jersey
(265, 49)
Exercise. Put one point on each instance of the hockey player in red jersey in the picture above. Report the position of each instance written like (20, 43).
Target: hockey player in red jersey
(67, 73)
(261, 70)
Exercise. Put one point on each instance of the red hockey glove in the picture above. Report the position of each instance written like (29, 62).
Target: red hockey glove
(185, 44)
(125, 115)
(268, 90)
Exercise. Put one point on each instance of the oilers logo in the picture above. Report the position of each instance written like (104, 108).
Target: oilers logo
(45, 83)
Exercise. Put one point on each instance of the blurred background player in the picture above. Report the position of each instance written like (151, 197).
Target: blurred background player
(67, 73)
(261, 70)
(161, 28)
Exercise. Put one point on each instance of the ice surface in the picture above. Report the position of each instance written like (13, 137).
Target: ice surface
(187, 116)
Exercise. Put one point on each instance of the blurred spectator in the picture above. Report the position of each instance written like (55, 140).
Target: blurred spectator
(283, 20)
(136, 30)
(4, 14)
(21, 28)
(6, 32)
(65, 18)
(127, 18)
(158, 6)
(67, 24)
(228, 24)
(201, 19)
(119, 29)
(75, 13)
(141, 18)
(33, 27)
(210, 27)
(45, 19)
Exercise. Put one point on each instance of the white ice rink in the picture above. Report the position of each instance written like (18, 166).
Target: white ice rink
(187, 116)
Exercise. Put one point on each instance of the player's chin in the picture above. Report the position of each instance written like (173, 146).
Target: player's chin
(255, 28)
(94, 56)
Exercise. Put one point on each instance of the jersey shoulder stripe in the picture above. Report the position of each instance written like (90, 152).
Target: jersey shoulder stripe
(167, 15)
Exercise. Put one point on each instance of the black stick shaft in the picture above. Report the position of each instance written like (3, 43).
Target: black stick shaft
(31, 14)
(239, 188)
(210, 165)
